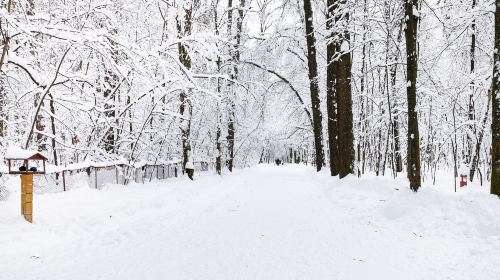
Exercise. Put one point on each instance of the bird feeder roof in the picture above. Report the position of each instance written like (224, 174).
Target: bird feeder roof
(22, 154)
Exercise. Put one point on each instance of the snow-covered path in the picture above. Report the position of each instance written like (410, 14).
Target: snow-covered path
(265, 222)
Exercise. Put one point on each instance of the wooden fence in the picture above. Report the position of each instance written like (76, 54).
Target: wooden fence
(97, 176)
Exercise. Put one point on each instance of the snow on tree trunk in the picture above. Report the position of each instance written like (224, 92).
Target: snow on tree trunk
(331, 96)
(313, 84)
(413, 152)
(344, 95)
(184, 27)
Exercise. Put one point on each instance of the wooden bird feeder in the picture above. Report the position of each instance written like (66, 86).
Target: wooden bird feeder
(26, 163)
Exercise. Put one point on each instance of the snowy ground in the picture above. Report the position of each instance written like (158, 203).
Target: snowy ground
(265, 222)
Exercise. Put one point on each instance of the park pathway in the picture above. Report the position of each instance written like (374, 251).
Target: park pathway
(265, 222)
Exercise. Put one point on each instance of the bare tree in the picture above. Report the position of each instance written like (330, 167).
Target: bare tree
(413, 153)
(331, 96)
(184, 27)
(313, 83)
(469, 149)
(343, 92)
(495, 175)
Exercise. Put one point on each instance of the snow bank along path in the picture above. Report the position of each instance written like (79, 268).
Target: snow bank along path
(265, 222)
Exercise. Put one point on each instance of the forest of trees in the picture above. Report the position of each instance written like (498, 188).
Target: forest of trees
(394, 87)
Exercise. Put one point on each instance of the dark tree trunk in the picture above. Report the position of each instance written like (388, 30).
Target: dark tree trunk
(230, 115)
(218, 145)
(231, 133)
(469, 148)
(344, 102)
(53, 127)
(185, 110)
(235, 55)
(313, 83)
(331, 97)
(339, 96)
(495, 175)
(413, 154)
(479, 142)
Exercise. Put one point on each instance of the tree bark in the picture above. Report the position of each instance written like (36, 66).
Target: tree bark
(413, 154)
(218, 144)
(185, 110)
(313, 83)
(362, 120)
(344, 97)
(495, 175)
(479, 142)
(235, 53)
(469, 148)
(395, 119)
(53, 127)
(331, 96)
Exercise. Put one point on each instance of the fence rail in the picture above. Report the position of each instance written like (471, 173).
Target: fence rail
(61, 179)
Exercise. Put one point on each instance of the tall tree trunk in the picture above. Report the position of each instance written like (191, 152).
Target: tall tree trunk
(331, 98)
(495, 169)
(479, 142)
(342, 85)
(395, 119)
(361, 122)
(111, 83)
(130, 122)
(230, 105)
(111, 88)
(39, 120)
(413, 154)
(218, 144)
(53, 127)
(313, 83)
(468, 155)
(3, 113)
(39, 125)
(185, 110)
(235, 53)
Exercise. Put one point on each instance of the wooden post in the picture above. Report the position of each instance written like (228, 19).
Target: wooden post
(27, 197)
(116, 175)
(95, 176)
(64, 181)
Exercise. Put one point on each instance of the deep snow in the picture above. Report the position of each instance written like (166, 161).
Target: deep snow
(265, 222)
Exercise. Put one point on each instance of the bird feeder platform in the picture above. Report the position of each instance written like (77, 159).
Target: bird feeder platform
(26, 163)
(23, 162)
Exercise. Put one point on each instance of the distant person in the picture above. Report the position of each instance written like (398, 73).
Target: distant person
(278, 162)
(190, 170)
